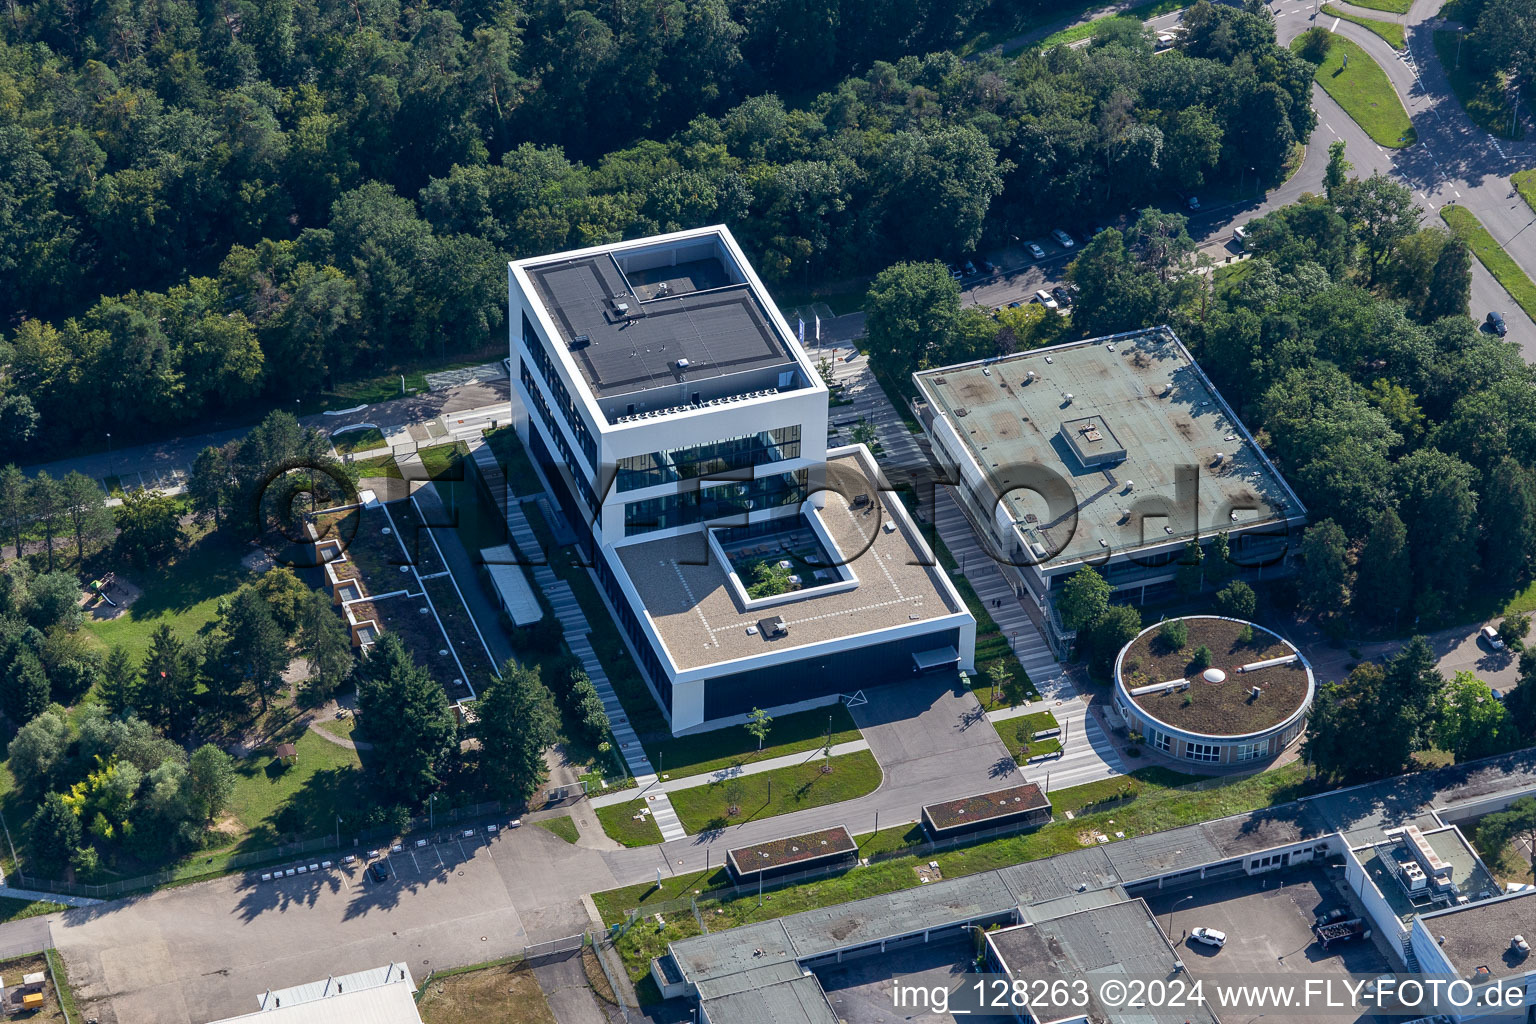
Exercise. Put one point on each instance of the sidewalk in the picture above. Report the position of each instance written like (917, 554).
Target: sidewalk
(694, 781)
(32, 896)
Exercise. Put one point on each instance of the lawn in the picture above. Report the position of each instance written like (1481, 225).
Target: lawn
(379, 465)
(722, 748)
(1016, 732)
(15, 910)
(347, 441)
(1525, 184)
(776, 792)
(1483, 96)
(1499, 263)
(270, 801)
(1391, 31)
(1365, 92)
(503, 994)
(183, 594)
(444, 461)
(1390, 6)
(387, 385)
(339, 727)
(562, 826)
(618, 820)
(1139, 804)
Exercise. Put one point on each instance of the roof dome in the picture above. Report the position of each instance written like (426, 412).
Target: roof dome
(1213, 675)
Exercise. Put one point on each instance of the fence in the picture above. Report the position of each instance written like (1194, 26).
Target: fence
(213, 866)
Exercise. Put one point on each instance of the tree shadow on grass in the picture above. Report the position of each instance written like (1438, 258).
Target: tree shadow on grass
(208, 568)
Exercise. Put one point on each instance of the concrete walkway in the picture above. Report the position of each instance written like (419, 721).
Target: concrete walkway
(576, 629)
(736, 771)
(33, 896)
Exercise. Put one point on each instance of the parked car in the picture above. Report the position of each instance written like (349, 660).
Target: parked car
(1165, 40)
(1015, 305)
(1496, 324)
(1498, 694)
(1063, 239)
(1193, 202)
(954, 272)
(1063, 296)
(1240, 236)
(379, 870)
(987, 266)
(1492, 636)
(970, 269)
(1035, 251)
(1044, 298)
(1209, 936)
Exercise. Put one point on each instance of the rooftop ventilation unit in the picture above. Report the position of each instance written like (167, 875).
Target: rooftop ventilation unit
(682, 364)
(581, 341)
(1066, 396)
(774, 627)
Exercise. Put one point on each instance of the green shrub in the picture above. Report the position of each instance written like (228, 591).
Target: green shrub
(1174, 634)
(1201, 660)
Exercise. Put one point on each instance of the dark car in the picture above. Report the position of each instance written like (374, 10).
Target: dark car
(378, 870)
(986, 266)
(1062, 296)
(1495, 323)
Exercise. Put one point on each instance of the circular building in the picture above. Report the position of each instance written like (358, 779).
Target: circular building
(1247, 704)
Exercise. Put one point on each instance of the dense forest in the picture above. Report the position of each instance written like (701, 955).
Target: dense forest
(204, 205)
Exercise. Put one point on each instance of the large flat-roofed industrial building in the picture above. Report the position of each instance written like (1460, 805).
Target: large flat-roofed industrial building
(1391, 884)
(1111, 452)
(683, 431)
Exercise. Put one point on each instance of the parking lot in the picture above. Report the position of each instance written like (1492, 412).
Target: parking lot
(204, 952)
(1268, 922)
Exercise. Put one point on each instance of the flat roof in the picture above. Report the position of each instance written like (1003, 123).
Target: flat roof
(697, 310)
(1451, 846)
(987, 806)
(512, 586)
(1120, 938)
(1142, 391)
(1478, 934)
(1226, 707)
(906, 912)
(688, 598)
(798, 1000)
(1363, 812)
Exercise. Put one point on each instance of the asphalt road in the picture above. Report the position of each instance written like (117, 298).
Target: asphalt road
(1454, 161)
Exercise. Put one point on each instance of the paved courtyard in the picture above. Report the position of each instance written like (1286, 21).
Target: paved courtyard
(203, 952)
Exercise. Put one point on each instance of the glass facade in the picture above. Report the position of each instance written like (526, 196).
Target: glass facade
(702, 504)
(1202, 752)
(1250, 751)
(557, 388)
(712, 459)
(582, 486)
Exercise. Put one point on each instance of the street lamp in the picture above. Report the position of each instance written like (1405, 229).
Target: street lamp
(1460, 31)
(1182, 899)
(111, 467)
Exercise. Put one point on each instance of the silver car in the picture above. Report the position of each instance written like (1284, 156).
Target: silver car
(1063, 239)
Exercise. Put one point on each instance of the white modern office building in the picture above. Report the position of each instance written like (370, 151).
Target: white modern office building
(683, 430)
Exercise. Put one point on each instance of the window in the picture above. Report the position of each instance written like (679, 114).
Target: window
(1202, 752)
(582, 486)
(1161, 740)
(567, 407)
(712, 459)
(703, 504)
(1251, 751)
